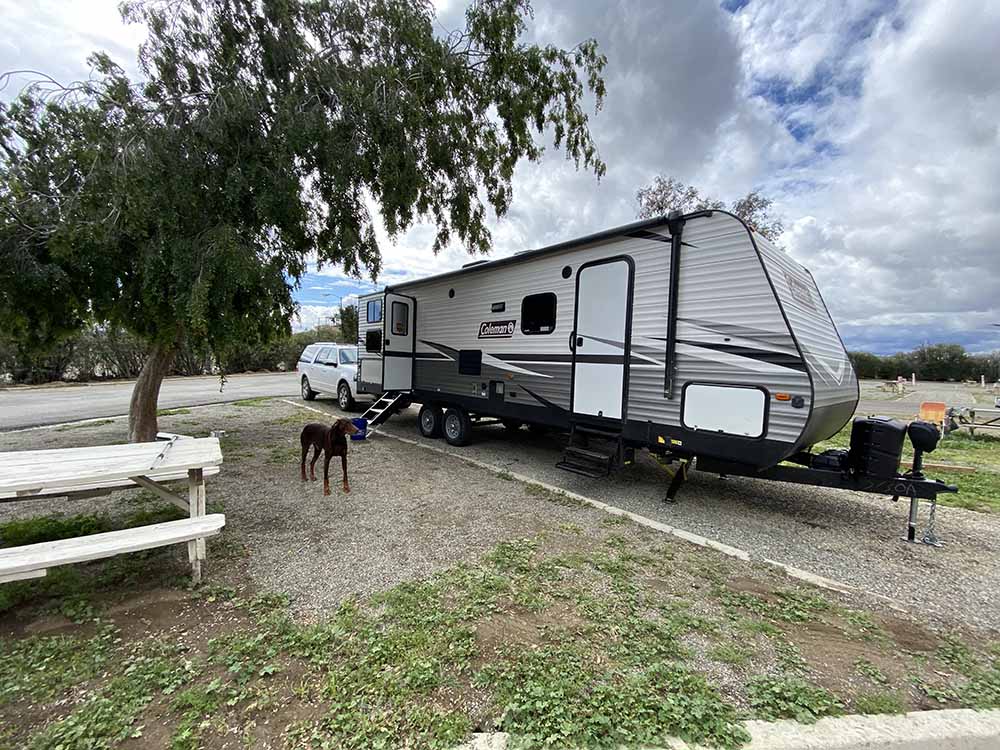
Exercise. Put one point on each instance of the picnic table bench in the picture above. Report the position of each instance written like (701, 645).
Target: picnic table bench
(99, 470)
(977, 418)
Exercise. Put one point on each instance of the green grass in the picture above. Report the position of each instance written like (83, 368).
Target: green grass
(41, 667)
(253, 402)
(730, 653)
(95, 423)
(171, 412)
(878, 702)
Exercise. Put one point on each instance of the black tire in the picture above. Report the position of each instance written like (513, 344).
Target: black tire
(457, 426)
(308, 394)
(538, 429)
(344, 398)
(512, 424)
(430, 421)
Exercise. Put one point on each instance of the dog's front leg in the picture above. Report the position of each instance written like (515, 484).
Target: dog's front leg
(343, 463)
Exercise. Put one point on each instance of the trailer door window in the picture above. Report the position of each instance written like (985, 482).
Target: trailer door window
(400, 318)
(538, 313)
(374, 312)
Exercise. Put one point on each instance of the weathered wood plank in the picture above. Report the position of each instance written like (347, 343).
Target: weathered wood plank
(97, 488)
(108, 544)
(10, 578)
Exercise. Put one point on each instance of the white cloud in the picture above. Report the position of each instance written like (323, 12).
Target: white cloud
(874, 123)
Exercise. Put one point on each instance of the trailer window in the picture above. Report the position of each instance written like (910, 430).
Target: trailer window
(374, 311)
(538, 313)
(400, 318)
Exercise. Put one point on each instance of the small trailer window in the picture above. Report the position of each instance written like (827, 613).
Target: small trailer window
(373, 340)
(538, 313)
(400, 318)
(374, 311)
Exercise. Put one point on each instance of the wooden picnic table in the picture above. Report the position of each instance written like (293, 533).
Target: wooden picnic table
(99, 470)
(977, 418)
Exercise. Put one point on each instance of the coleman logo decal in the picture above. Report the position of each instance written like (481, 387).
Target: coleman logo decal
(497, 329)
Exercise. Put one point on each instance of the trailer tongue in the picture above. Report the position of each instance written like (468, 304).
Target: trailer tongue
(871, 465)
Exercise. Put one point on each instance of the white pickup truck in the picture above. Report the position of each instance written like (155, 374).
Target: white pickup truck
(327, 367)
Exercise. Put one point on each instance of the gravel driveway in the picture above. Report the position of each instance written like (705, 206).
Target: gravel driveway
(847, 536)
(413, 512)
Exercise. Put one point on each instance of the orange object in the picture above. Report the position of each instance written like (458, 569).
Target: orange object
(933, 411)
(782, 397)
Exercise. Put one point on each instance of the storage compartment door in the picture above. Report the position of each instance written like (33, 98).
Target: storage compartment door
(733, 410)
(398, 342)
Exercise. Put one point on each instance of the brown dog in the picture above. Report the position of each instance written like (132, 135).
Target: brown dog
(332, 441)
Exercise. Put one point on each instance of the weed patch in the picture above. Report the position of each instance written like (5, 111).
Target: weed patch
(791, 698)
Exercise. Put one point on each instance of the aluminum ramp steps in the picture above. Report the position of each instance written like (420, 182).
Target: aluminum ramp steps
(592, 461)
(386, 405)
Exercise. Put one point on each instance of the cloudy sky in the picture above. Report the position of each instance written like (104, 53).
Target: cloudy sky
(874, 125)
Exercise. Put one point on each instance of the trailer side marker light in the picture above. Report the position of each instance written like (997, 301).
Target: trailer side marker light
(782, 397)
(676, 442)
(661, 440)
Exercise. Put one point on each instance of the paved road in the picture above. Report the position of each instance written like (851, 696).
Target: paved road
(32, 407)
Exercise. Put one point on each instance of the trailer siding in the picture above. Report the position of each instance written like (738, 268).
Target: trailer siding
(733, 328)
(835, 385)
(730, 328)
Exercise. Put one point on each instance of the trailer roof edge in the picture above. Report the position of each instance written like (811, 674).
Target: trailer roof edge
(558, 247)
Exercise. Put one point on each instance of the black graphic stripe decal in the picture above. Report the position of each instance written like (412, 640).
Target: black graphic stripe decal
(541, 400)
(773, 358)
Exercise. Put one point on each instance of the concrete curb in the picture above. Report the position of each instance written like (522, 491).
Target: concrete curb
(698, 539)
(954, 729)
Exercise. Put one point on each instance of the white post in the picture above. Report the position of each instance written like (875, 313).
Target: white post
(982, 381)
(196, 501)
(913, 379)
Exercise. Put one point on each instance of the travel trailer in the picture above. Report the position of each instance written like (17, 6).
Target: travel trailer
(689, 335)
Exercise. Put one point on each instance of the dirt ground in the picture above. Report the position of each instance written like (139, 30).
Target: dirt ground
(442, 591)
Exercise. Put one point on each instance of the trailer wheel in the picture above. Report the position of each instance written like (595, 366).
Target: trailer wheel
(308, 394)
(538, 429)
(512, 424)
(457, 426)
(430, 421)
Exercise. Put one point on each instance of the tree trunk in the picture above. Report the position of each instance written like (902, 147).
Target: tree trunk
(142, 425)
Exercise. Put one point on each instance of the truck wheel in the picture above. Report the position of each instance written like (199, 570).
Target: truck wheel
(457, 426)
(308, 394)
(430, 421)
(344, 398)
(512, 424)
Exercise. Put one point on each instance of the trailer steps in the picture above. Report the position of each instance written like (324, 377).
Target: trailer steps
(388, 404)
(592, 461)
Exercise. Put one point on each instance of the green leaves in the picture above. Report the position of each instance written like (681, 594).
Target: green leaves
(185, 205)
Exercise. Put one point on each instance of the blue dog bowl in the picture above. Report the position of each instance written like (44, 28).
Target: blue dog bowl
(362, 425)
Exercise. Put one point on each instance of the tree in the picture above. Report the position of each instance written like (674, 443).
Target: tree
(349, 323)
(183, 207)
(666, 195)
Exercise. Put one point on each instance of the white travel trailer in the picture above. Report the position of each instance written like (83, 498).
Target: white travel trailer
(689, 335)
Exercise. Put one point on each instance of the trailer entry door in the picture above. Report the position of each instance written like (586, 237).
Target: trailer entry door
(601, 337)
(398, 342)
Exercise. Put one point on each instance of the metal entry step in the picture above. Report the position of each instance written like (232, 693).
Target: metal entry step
(387, 405)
